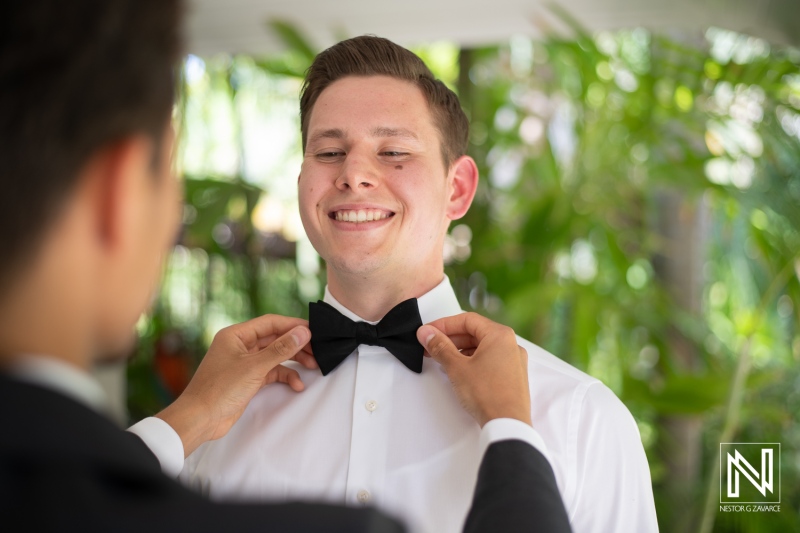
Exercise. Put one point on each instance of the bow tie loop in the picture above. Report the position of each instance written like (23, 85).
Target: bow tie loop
(334, 336)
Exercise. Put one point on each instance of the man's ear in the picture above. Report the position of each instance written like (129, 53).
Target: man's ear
(115, 175)
(464, 173)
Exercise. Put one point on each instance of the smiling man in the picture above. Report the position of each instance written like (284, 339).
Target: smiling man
(384, 174)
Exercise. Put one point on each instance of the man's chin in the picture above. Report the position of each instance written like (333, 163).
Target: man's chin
(365, 266)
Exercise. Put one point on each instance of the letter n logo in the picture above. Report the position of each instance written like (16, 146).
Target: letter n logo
(749, 471)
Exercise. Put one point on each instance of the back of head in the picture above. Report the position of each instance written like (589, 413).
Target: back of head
(74, 77)
(374, 56)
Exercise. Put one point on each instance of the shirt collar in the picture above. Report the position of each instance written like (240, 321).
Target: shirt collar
(437, 303)
(62, 377)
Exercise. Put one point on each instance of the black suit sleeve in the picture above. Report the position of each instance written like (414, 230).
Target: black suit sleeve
(516, 491)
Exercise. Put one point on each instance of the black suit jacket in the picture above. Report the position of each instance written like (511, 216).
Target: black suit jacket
(64, 467)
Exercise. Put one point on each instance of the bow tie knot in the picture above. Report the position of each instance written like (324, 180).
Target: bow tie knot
(334, 336)
(366, 334)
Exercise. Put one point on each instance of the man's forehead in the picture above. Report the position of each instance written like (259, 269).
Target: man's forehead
(376, 132)
(368, 82)
(378, 107)
(385, 92)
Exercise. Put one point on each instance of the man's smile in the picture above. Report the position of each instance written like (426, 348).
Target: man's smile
(360, 215)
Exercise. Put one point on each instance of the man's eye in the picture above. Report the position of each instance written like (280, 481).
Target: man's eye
(327, 156)
(393, 153)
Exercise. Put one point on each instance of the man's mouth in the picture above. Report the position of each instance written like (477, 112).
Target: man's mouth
(360, 215)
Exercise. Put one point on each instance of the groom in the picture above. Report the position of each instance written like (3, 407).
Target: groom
(384, 173)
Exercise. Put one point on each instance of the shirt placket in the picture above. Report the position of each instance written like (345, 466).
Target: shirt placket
(369, 442)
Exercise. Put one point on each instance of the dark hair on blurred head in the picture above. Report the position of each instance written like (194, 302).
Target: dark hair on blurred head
(374, 56)
(75, 76)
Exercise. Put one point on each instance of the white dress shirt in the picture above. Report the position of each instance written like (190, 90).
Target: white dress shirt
(374, 433)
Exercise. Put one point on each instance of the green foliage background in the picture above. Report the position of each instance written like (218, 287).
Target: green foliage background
(606, 160)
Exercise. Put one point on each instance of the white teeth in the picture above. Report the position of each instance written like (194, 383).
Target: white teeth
(362, 215)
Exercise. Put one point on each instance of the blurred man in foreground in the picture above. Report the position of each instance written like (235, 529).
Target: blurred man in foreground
(89, 209)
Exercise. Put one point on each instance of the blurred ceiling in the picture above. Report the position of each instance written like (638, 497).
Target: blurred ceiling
(240, 25)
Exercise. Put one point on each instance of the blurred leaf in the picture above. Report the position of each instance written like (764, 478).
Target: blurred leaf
(680, 394)
(293, 39)
(288, 65)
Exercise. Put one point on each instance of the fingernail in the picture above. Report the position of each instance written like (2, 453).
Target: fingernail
(301, 335)
(425, 334)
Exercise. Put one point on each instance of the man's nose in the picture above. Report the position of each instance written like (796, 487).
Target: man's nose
(358, 172)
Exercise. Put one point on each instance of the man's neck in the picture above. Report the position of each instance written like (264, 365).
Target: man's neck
(374, 296)
(40, 314)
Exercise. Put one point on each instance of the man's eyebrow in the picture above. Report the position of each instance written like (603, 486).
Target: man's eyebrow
(394, 132)
(334, 133)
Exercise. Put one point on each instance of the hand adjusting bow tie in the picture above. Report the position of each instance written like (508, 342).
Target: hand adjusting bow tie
(334, 336)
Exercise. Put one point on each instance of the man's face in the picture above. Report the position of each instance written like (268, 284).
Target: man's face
(373, 189)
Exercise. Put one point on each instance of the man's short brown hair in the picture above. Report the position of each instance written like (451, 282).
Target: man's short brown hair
(374, 56)
(74, 77)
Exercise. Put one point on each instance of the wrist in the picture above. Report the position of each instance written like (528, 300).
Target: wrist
(190, 422)
(523, 416)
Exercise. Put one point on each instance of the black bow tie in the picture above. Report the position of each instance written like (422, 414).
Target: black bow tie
(334, 336)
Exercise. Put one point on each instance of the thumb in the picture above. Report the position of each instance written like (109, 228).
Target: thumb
(286, 346)
(438, 345)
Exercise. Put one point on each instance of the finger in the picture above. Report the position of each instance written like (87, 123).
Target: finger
(285, 347)
(471, 324)
(289, 376)
(464, 342)
(306, 359)
(466, 347)
(263, 342)
(251, 331)
(436, 343)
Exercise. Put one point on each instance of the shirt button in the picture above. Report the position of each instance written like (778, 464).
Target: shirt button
(371, 405)
(363, 496)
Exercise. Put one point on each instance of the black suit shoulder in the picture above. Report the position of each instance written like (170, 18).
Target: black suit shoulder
(64, 467)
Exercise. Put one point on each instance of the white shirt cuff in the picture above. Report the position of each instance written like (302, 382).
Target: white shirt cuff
(163, 441)
(501, 429)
